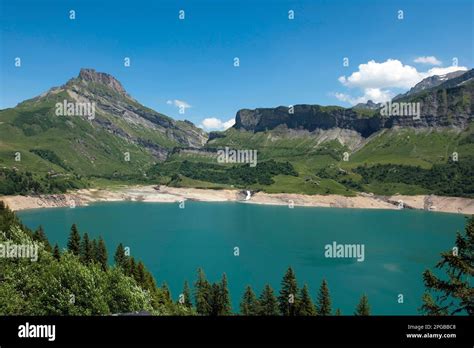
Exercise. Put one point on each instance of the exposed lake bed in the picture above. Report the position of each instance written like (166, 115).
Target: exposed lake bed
(168, 194)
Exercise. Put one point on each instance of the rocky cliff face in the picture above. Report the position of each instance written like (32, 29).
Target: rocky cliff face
(90, 75)
(307, 117)
(447, 104)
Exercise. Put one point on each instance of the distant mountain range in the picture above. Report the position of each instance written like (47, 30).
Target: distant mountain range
(129, 142)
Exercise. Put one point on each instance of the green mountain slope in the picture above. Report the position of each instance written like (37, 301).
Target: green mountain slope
(316, 150)
(317, 154)
(91, 147)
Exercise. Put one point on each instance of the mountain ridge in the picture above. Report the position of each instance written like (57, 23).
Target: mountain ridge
(298, 152)
(430, 82)
(448, 104)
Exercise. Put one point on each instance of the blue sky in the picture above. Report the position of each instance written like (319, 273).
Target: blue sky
(191, 61)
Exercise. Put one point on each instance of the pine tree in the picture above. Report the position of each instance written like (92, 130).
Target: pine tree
(363, 308)
(215, 300)
(202, 294)
(120, 258)
(249, 304)
(101, 255)
(430, 307)
(455, 295)
(56, 252)
(150, 282)
(37, 235)
(86, 249)
(141, 276)
(324, 300)
(40, 236)
(8, 219)
(132, 268)
(288, 299)
(268, 303)
(338, 312)
(94, 250)
(187, 295)
(74, 242)
(306, 306)
(225, 307)
(166, 293)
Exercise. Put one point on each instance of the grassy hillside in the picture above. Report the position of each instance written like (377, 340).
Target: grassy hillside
(80, 147)
(122, 139)
(322, 170)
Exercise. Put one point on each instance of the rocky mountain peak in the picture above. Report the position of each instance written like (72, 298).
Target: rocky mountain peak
(156, 131)
(370, 105)
(430, 82)
(90, 75)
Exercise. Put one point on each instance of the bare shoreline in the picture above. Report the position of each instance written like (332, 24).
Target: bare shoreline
(173, 194)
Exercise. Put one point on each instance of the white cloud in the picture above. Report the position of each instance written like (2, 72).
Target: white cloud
(178, 103)
(213, 123)
(391, 73)
(443, 71)
(376, 80)
(427, 60)
(377, 95)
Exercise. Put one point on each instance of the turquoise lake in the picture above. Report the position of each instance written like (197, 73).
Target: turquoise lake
(174, 242)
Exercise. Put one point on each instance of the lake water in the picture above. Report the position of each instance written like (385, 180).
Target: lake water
(174, 242)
